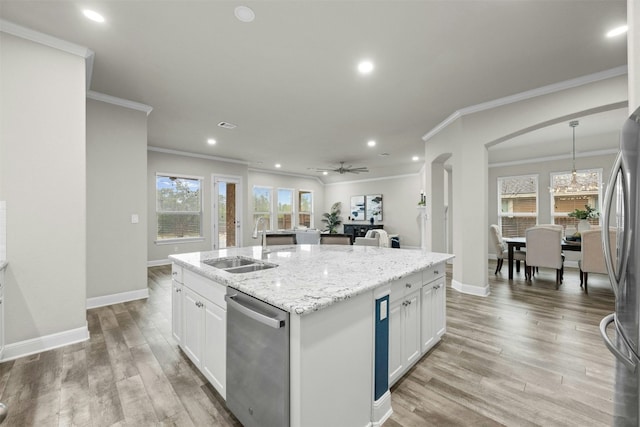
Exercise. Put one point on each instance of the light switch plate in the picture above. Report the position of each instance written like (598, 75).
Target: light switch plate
(135, 219)
(383, 310)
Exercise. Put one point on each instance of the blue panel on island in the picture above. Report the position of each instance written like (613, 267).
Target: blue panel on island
(381, 381)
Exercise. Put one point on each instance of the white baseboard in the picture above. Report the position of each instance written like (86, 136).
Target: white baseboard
(481, 291)
(117, 298)
(382, 409)
(44, 343)
(158, 262)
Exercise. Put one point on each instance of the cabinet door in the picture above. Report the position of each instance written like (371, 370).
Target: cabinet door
(176, 311)
(214, 362)
(396, 314)
(1, 313)
(412, 315)
(439, 308)
(428, 334)
(193, 332)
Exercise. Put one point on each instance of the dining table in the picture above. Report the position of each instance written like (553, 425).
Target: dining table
(515, 243)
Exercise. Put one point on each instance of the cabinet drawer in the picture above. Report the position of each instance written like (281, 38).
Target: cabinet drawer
(176, 273)
(405, 286)
(209, 289)
(434, 272)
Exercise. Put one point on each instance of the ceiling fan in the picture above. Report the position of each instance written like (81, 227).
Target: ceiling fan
(345, 169)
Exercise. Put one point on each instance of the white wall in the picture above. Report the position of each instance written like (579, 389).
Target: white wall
(185, 165)
(43, 180)
(275, 180)
(400, 197)
(116, 189)
(543, 169)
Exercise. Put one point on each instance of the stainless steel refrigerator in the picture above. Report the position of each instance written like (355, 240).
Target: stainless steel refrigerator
(621, 210)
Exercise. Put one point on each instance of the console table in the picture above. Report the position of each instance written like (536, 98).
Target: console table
(359, 230)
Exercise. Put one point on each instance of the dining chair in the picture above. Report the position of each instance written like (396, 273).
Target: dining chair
(281, 239)
(335, 239)
(501, 250)
(544, 249)
(592, 254)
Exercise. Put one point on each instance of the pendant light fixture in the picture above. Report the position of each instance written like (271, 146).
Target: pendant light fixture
(573, 185)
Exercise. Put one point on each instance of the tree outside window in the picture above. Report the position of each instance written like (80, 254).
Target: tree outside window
(262, 204)
(285, 209)
(305, 208)
(178, 207)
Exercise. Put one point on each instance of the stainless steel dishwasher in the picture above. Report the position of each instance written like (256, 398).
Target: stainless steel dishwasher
(257, 361)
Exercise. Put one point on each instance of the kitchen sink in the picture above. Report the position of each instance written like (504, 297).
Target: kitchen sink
(238, 264)
(229, 262)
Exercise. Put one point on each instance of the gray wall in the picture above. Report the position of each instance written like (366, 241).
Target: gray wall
(43, 180)
(400, 197)
(184, 165)
(116, 189)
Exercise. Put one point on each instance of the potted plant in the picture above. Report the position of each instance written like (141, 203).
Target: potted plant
(583, 216)
(332, 219)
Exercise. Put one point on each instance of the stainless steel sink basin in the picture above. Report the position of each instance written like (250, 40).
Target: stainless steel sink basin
(250, 268)
(238, 264)
(230, 262)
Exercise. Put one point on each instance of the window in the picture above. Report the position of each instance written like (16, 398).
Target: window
(285, 209)
(178, 207)
(565, 199)
(305, 208)
(517, 204)
(262, 204)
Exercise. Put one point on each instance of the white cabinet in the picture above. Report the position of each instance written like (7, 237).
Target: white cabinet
(404, 325)
(433, 309)
(204, 327)
(176, 303)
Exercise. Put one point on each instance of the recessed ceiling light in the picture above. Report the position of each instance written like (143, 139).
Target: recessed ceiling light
(244, 14)
(371, 143)
(617, 31)
(278, 165)
(365, 67)
(211, 141)
(94, 16)
(325, 173)
(415, 158)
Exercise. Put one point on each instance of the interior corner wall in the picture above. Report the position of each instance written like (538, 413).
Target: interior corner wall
(274, 180)
(400, 197)
(158, 162)
(633, 53)
(43, 180)
(116, 190)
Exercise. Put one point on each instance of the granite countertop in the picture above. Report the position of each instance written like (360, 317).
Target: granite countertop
(311, 277)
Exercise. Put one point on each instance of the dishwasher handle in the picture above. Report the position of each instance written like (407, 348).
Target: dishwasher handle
(272, 322)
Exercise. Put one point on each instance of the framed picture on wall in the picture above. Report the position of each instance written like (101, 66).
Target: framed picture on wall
(373, 205)
(357, 211)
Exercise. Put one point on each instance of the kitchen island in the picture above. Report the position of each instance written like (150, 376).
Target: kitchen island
(360, 316)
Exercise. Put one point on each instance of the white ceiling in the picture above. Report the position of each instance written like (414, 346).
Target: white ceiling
(289, 80)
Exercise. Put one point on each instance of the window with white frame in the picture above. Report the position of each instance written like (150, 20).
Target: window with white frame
(567, 196)
(517, 204)
(285, 209)
(305, 208)
(178, 207)
(262, 206)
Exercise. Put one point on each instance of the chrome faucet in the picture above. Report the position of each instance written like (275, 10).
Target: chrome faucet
(262, 220)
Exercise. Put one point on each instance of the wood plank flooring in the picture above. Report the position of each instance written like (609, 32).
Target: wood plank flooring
(527, 355)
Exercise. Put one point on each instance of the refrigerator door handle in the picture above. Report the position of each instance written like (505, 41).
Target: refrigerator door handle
(628, 361)
(616, 275)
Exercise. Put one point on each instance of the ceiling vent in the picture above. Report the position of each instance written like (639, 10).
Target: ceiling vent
(227, 125)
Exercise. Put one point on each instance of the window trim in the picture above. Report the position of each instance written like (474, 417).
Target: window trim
(271, 204)
(517, 214)
(178, 240)
(552, 214)
(276, 205)
(298, 211)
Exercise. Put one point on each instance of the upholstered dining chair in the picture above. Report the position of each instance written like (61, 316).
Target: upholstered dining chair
(500, 247)
(281, 239)
(544, 249)
(592, 254)
(335, 239)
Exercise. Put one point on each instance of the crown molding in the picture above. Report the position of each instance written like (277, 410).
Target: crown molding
(551, 158)
(196, 155)
(297, 175)
(97, 96)
(45, 39)
(523, 96)
(382, 178)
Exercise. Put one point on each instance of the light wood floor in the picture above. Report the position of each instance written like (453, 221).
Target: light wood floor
(526, 355)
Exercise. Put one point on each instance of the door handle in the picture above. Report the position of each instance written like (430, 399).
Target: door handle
(272, 322)
(625, 359)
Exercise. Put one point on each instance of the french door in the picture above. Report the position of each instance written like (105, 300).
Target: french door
(226, 224)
